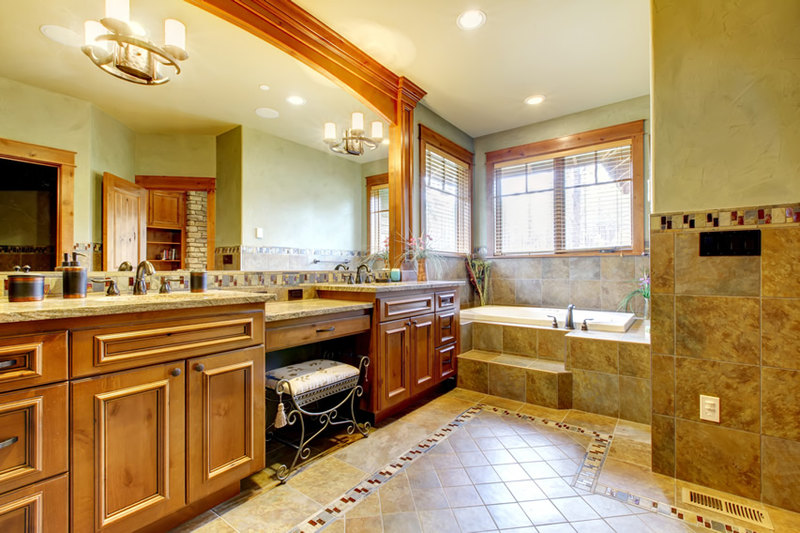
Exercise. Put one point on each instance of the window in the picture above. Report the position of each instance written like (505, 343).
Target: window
(378, 212)
(445, 189)
(580, 194)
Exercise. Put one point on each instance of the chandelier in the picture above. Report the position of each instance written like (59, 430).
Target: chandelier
(121, 48)
(353, 140)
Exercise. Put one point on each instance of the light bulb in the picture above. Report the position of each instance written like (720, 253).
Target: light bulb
(377, 130)
(357, 121)
(119, 10)
(329, 132)
(91, 31)
(175, 33)
(469, 20)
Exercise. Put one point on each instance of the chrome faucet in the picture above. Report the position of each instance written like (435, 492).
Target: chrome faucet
(570, 324)
(144, 268)
(361, 278)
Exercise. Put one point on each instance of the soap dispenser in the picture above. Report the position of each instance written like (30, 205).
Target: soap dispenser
(73, 277)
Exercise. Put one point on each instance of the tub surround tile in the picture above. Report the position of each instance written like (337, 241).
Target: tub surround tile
(555, 293)
(507, 382)
(718, 457)
(662, 262)
(780, 262)
(634, 399)
(634, 360)
(528, 292)
(584, 268)
(663, 384)
(473, 375)
(663, 450)
(595, 392)
(530, 268)
(723, 329)
(504, 268)
(585, 294)
(613, 292)
(487, 337)
(555, 268)
(618, 268)
(780, 403)
(780, 472)
(519, 340)
(466, 336)
(551, 344)
(544, 388)
(502, 291)
(780, 333)
(713, 276)
(600, 356)
(662, 323)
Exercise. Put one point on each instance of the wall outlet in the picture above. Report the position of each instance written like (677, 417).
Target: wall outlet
(709, 408)
(259, 233)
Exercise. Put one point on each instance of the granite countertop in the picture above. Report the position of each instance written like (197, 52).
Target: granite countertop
(386, 287)
(310, 307)
(97, 304)
(638, 333)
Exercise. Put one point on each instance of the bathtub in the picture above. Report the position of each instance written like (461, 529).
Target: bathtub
(537, 316)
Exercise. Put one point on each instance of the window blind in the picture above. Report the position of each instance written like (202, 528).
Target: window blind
(447, 201)
(378, 217)
(578, 200)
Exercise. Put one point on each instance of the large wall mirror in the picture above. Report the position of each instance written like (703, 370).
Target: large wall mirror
(228, 115)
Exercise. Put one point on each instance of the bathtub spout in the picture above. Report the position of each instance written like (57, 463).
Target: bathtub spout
(570, 323)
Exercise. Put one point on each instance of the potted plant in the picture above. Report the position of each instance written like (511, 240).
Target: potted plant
(418, 250)
(478, 270)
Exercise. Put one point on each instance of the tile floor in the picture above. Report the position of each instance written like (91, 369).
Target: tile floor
(492, 474)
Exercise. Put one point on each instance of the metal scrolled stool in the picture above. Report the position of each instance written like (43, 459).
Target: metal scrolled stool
(307, 383)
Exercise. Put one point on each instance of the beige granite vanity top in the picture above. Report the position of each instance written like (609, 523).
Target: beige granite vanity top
(386, 287)
(97, 304)
(310, 307)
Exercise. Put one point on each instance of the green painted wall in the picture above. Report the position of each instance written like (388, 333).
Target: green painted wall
(381, 166)
(726, 93)
(301, 197)
(609, 115)
(229, 188)
(176, 155)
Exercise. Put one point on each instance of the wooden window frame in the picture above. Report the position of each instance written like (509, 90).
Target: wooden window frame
(429, 137)
(633, 131)
(372, 182)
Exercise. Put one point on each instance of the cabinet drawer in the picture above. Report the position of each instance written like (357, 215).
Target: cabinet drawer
(446, 300)
(446, 327)
(38, 508)
(102, 350)
(405, 306)
(32, 360)
(446, 361)
(33, 435)
(310, 332)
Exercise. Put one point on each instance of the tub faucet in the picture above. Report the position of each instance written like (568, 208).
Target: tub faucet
(144, 268)
(570, 324)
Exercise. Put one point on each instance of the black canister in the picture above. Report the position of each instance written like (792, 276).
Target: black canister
(73, 277)
(25, 287)
(198, 281)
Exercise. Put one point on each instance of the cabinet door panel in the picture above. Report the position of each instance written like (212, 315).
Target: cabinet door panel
(166, 208)
(422, 353)
(38, 508)
(446, 327)
(128, 448)
(226, 412)
(446, 362)
(393, 360)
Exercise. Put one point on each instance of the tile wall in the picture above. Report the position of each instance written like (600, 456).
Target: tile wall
(588, 282)
(728, 327)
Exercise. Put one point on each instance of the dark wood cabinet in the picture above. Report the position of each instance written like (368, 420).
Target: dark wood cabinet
(394, 382)
(422, 357)
(166, 209)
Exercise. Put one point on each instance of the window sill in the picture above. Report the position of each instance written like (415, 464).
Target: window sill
(573, 254)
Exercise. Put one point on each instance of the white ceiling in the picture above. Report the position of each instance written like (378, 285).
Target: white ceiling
(580, 54)
(216, 90)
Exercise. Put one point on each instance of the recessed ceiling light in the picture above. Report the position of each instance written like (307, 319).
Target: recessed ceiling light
(296, 100)
(536, 99)
(61, 35)
(264, 87)
(267, 112)
(469, 20)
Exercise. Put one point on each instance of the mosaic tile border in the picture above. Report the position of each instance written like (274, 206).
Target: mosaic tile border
(746, 217)
(282, 250)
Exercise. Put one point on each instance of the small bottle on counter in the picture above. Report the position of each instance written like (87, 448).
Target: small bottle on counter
(73, 277)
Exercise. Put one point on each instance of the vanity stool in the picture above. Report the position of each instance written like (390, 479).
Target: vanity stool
(307, 383)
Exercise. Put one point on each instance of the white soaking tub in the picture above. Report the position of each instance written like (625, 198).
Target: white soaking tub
(537, 316)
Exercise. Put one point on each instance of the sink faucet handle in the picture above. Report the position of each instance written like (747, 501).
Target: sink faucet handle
(555, 320)
(585, 326)
(113, 290)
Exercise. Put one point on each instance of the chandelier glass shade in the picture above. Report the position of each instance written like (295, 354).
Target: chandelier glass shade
(354, 140)
(120, 47)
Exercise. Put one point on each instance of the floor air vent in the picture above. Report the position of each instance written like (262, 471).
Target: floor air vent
(727, 507)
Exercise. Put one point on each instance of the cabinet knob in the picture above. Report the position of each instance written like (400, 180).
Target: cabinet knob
(176, 372)
(199, 367)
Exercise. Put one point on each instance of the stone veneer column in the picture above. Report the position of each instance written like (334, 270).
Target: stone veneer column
(196, 230)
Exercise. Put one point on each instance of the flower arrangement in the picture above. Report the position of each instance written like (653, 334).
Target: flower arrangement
(478, 270)
(381, 255)
(643, 290)
(417, 247)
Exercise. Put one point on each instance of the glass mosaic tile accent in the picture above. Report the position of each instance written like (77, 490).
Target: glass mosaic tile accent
(746, 217)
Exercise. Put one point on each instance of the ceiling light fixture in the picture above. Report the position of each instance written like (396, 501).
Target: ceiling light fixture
(118, 46)
(61, 35)
(536, 99)
(264, 87)
(296, 100)
(267, 112)
(472, 19)
(353, 141)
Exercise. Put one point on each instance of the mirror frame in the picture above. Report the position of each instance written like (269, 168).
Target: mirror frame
(64, 162)
(289, 27)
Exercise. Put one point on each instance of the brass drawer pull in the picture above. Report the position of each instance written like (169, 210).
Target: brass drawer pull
(6, 364)
(8, 442)
(332, 328)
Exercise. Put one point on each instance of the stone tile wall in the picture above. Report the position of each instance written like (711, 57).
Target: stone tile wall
(588, 282)
(728, 327)
(196, 230)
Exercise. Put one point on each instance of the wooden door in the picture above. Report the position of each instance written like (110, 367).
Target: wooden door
(166, 209)
(422, 354)
(128, 459)
(124, 222)
(225, 419)
(394, 383)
